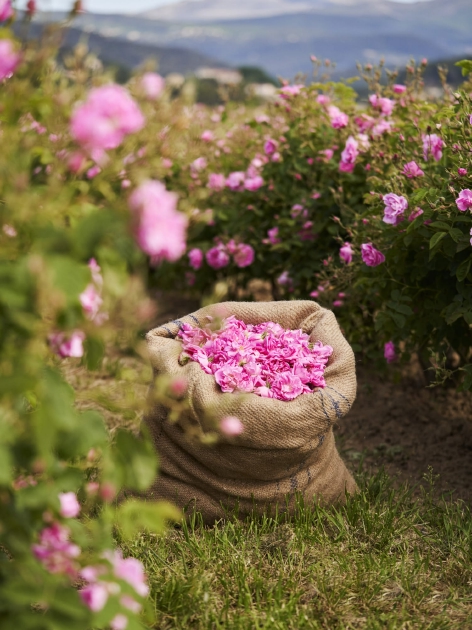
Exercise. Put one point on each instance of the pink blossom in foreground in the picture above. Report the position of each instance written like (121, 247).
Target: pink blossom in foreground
(338, 118)
(55, 551)
(411, 170)
(323, 99)
(462, 171)
(395, 206)
(199, 164)
(119, 622)
(349, 155)
(64, 346)
(385, 105)
(371, 256)
(230, 425)
(415, 213)
(6, 10)
(290, 90)
(217, 257)
(270, 146)
(253, 183)
(9, 230)
(264, 359)
(235, 180)
(273, 236)
(95, 596)
(384, 126)
(346, 253)
(152, 85)
(207, 136)
(104, 119)
(70, 507)
(91, 301)
(216, 181)
(464, 200)
(244, 255)
(432, 145)
(398, 88)
(195, 258)
(159, 228)
(9, 59)
(389, 352)
(130, 570)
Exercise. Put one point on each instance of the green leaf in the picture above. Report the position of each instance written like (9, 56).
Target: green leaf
(456, 234)
(436, 238)
(442, 225)
(69, 276)
(466, 66)
(400, 308)
(94, 351)
(134, 516)
(463, 269)
(136, 460)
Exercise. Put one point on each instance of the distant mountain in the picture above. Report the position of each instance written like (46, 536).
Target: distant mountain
(282, 39)
(130, 54)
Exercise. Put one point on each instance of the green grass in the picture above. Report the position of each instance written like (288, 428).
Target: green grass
(384, 561)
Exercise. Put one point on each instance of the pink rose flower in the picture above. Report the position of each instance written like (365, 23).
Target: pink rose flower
(91, 301)
(65, 346)
(270, 146)
(323, 99)
(9, 230)
(159, 229)
(55, 551)
(395, 206)
(70, 507)
(230, 425)
(199, 164)
(432, 144)
(338, 118)
(338, 303)
(217, 257)
(346, 252)
(327, 153)
(371, 256)
(195, 258)
(464, 200)
(104, 119)
(287, 386)
(94, 596)
(411, 169)
(216, 181)
(207, 136)
(462, 171)
(349, 155)
(152, 85)
(284, 279)
(244, 255)
(9, 59)
(398, 88)
(389, 352)
(273, 235)
(385, 105)
(384, 126)
(253, 183)
(119, 622)
(290, 90)
(6, 10)
(235, 180)
(416, 213)
(471, 235)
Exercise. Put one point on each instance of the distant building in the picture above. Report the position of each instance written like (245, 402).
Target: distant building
(264, 91)
(225, 76)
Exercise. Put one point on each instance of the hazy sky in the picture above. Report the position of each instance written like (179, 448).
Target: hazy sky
(115, 6)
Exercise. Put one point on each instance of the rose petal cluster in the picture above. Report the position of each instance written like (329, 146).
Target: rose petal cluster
(264, 359)
(219, 256)
(432, 145)
(371, 256)
(9, 59)
(389, 352)
(411, 170)
(160, 230)
(91, 298)
(395, 206)
(338, 118)
(55, 551)
(6, 10)
(104, 119)
(464, 200)
(65, 345)
(349, 155)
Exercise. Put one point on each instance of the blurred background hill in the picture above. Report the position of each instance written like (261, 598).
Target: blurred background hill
(279, 36)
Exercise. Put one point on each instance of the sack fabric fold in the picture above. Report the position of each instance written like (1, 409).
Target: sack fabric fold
(287, 447)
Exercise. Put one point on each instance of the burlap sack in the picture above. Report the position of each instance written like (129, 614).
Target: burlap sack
(285, 447)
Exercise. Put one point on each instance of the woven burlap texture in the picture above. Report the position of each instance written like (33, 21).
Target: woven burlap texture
(286, 447)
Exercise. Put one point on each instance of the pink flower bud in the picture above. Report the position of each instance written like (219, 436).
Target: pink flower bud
(231, 426)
